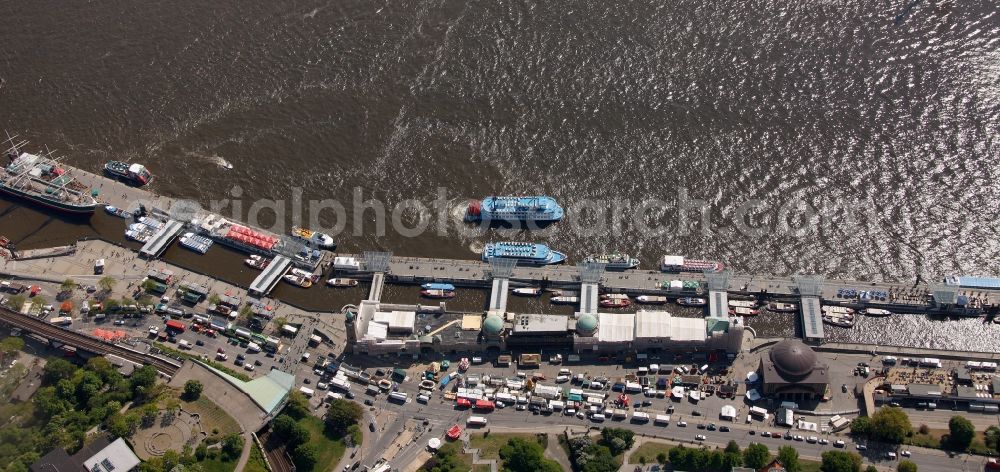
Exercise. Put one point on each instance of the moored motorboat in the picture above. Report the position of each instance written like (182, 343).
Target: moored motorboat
(135, 174)
(527, 291)
(614, 296)
(196, 243)
(780, 307)
(297, 280)
(342, 282)
(564, 300)
(841, 320)
(833, 309)
(615, 303)
(651, 299)
(437, 293)
(743, 311)
(742, 303)
(304, 274)
(692, 301)
(115, 211)
(316, 238)
(877, 312)
(257, 262)
(614, 261)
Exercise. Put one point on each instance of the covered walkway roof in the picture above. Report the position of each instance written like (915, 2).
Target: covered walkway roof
(267, 279)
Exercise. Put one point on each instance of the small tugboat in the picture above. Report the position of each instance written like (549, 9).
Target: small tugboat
(614, 296)
(615, 303)
(299, 281)
(321, 240)
(196, 242)
(564, 300)
(342, 283)
(134, 174)
(438, 286)
(877, 312)
(692, 301)
(742, 303)
(115, 211)
(528, 291)
(743, 311)
(437, 293)
(257, 262)
(651, 299)
(779, 307)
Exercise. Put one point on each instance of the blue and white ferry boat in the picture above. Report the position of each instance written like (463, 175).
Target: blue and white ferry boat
(438, 286)
(523, 253)
(535, 209)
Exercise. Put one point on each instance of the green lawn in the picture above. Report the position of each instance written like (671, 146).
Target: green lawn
(256, 462)
(465, 459)
(212, 416)
(330, 450)
(489, 446)
(217, 465)
(649, 450)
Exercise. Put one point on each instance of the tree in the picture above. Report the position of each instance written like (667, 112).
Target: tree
(66, 307)
(840, 461)
(305, 457)
(68, 285)
(280, 322)
(890, 425)
(214, 299)
(961, 433)
(732, 447)
(342, 414)
(298, 405)
(661, 458)
(192, 389)
(906, 466)
(861, 426)
(58, 369)
(992, 438)
(871, 468)
(232, 446)
(10, 346)
(789, 458)
(524, 455)
(107, 283)
(618, 440)
(289, 431)
(142, 379)
(756, 456)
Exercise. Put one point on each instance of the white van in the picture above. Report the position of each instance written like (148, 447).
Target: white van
(598, 417)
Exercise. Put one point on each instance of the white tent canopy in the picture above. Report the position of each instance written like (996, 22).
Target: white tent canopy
(727, 412)
(434, 443)
(752, 395)
(752, 377)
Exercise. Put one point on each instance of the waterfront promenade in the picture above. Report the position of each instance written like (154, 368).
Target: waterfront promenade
(904, 297)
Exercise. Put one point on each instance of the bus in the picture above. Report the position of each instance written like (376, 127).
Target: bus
(640, 417)
(62, 320)
(308, 392)
(476, 421)
(662, 420)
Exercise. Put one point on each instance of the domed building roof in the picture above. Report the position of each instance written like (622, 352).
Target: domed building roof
(493, 325)
(793, 359)
(587, 324)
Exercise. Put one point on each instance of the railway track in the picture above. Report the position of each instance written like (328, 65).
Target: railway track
(85, 342)
(277, 457)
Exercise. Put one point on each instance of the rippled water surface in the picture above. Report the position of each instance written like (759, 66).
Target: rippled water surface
(881, 117)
